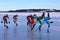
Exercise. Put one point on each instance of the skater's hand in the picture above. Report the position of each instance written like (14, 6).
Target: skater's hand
(9, 22)
(1, 21)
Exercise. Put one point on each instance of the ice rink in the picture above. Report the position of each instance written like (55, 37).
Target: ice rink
(20, 32)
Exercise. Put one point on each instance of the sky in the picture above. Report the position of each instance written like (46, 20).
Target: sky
(28, 4)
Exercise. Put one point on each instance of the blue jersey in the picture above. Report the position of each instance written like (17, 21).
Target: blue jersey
(46, 18)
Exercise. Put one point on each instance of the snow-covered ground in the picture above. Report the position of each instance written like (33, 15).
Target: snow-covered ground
(21, 33)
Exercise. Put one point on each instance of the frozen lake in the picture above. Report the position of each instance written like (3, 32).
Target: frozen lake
(21, 33)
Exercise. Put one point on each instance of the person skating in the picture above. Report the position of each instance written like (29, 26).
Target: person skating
(31, 20)
(46, 20)
(15, 17)
(39, 20)
(5, 20)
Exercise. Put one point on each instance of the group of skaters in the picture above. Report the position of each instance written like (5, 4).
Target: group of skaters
(6, 20)
(32, 20)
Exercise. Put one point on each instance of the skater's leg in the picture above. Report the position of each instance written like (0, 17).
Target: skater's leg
(33, 27)
(5, 22)
(48, 25)
(27, 23)
(15, 23)
(40, 25)
(36, 21)
(28, 26)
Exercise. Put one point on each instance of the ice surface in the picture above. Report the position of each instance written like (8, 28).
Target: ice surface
(20, 32)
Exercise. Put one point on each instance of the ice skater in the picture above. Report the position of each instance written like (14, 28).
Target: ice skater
(45, 20)
(31, 20)
(15, 17)
(5, 20)
(39, 20)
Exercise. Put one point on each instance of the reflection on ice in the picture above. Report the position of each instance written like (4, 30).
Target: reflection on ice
(20, 32)
(5, 34)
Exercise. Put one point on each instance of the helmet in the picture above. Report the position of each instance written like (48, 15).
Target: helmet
(35, 15)
(16, 15)
(7, 15)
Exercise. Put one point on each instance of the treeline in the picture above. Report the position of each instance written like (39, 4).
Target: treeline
(33, 10)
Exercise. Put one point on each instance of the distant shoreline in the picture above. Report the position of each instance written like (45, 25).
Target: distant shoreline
(31, 10)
